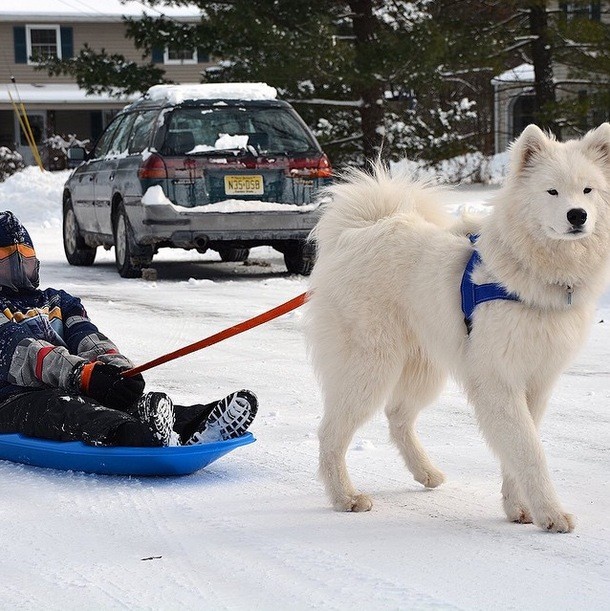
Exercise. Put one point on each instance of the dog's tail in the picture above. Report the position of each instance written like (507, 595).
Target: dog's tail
(360, 199)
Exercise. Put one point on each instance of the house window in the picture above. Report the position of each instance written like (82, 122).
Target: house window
(37, 123)
(179, 55)
(42, 41)
(586, 10)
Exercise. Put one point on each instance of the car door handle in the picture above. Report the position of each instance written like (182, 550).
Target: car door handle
(111, 177)
(91, 177)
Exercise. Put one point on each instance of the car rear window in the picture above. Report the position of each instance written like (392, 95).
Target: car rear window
(227, 128)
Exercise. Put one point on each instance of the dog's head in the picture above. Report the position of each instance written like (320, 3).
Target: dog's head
(564, 188)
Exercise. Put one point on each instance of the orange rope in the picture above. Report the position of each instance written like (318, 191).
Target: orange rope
(284, 308)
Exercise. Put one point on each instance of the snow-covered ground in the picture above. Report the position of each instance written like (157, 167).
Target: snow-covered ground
(254, 529)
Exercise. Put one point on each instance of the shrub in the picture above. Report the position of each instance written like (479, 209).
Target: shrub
(10, 162)
(54, 150)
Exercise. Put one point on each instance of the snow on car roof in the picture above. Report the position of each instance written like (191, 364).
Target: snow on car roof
(176, 94)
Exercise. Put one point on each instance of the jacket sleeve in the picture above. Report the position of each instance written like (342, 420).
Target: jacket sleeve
(31, 362)
(84, 339)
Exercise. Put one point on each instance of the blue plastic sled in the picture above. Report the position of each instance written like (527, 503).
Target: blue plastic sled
(77, 456)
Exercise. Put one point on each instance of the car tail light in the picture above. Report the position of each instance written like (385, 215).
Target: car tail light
(152, 167)
(310, 168)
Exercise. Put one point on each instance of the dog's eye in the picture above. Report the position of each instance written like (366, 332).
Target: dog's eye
(553, 192)
(587, 190)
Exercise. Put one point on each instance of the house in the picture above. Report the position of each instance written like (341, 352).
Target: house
(55, 105)
(514, 88)
(513, 104)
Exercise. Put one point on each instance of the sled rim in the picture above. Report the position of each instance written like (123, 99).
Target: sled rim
(115, 460)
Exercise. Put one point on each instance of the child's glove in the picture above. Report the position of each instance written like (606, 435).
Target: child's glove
(105, 384)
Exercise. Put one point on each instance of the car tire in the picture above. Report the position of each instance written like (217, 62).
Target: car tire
(300, 258)
(129, 257)
(234, 254)
(75, 247)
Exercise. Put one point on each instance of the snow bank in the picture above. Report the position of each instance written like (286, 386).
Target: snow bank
(34, 196)
(464, 169)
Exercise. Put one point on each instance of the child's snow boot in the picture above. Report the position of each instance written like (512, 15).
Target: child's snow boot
(229, 418)
(157, 410)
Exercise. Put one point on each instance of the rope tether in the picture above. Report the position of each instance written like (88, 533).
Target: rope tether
(283, 308)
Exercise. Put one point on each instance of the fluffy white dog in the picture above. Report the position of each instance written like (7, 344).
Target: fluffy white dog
(385, 322)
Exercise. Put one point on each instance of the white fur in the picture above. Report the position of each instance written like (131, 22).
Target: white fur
(384, 320)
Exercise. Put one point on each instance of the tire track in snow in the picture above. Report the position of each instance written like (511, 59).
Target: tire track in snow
(151, 508)
(298, 587)
(465, 505)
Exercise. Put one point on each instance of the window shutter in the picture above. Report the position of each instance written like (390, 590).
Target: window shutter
(21, 48)
(202, 56)
(67, 45)
(157, 55)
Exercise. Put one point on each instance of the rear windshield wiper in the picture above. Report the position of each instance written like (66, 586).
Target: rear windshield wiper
(291, 153)
(217, 152)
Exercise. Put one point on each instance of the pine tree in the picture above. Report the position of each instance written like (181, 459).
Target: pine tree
(333, 59)
(568, 45)
(362, 72)
(100, 72)
(381, 77)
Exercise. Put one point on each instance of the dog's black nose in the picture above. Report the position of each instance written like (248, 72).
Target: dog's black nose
(577, 217)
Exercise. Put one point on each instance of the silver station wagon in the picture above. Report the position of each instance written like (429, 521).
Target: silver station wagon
(226, 167)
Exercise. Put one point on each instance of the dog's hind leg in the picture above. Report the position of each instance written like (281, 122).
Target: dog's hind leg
(419, 385)
(355, 394)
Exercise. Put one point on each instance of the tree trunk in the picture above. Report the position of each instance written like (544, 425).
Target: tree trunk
(367, 86)
(542, 58)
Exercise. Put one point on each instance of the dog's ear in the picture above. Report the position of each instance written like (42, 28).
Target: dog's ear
(597, 144)
(530, 143)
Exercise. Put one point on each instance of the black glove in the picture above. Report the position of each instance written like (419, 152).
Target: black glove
(105, 384)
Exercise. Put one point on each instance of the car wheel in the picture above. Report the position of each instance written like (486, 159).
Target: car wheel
(77, 251)
(234, 254)
(300, 258)
(130, 257)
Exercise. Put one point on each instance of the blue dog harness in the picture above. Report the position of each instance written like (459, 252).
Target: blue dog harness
(473, 294)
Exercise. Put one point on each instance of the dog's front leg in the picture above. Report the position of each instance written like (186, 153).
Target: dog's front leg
(515, 508)
(511, 433)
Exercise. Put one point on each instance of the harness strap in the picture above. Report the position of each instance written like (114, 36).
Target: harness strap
(474, 294)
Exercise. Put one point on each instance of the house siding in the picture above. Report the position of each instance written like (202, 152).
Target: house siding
(83, 118)
(111, 37)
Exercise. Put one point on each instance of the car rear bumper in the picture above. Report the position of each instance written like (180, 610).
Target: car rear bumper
(190, 227)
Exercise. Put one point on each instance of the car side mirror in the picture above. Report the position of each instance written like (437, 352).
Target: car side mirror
(77, 153)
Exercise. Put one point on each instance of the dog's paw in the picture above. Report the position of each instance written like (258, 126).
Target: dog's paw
(431, 478)
(522, 516)
(517, 512)
(358, 502)
(557, 522)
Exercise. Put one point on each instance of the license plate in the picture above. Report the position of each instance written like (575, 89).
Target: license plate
(244, 185)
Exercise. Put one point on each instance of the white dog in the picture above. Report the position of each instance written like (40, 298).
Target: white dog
(385, 322)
